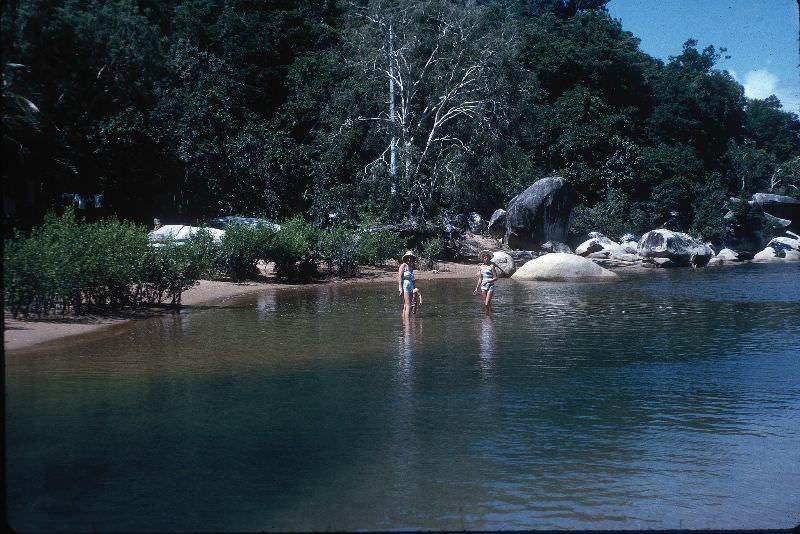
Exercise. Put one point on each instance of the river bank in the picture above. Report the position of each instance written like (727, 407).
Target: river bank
(27, 333)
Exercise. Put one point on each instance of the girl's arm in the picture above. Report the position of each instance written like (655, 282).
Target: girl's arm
(494, 274)
(400, 278)
(480, 279)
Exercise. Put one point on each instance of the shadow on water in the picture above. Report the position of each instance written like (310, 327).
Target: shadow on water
(663, 401)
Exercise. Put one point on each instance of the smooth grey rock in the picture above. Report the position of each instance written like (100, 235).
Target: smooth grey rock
(539, 214)
(497, 223)
(555, 246)
(504, 262)
(727, 254)
(558, 266)
(630, 237)
(680, 248)
(630, 247)
(598, 243)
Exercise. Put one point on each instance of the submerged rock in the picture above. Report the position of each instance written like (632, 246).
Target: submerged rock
(679, 248)
(558, 266)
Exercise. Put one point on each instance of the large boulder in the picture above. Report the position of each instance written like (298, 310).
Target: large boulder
(780, 206)
(558, 266)
(497, 223)
(504, 262)
(780, 249)
(539, 214)
(679, 248)
(599, 244)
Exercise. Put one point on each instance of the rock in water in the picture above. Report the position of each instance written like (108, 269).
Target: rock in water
(780, 249)
(680, 248)
(539, 214)
(504, 262)
(558, 266)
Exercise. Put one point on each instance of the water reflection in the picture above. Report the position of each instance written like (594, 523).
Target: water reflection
(486, 341)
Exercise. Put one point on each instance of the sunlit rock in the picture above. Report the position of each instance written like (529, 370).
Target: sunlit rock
(504, 262)
(558, 266)
(599, 243)
(681, 249)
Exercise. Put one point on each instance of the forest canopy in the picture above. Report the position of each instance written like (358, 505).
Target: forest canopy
(369, 111)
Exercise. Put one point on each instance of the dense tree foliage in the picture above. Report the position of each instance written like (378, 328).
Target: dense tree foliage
(364, 111)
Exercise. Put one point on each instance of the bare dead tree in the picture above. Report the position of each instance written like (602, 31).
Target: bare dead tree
(437, 58)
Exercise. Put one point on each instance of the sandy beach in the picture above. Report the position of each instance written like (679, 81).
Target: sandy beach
(26, 333)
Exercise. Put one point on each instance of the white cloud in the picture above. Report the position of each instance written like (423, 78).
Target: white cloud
(759, 83)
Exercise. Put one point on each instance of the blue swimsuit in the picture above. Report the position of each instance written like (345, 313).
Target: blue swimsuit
(408, 281)
(486, 272)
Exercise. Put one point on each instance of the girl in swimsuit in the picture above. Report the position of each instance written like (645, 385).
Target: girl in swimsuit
(487, 276)
(405, 282)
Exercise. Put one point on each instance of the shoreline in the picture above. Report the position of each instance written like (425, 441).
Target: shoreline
(23, 334)
(29, 334)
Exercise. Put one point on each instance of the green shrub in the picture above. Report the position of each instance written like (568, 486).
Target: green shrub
(171, 268)
(69, 265)
(374, 248)
(339, 249)
(432, 251)
(242, 247)
(292, 248)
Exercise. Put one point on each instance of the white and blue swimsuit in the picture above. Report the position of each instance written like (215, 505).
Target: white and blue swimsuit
(486, 272)
(408, 281)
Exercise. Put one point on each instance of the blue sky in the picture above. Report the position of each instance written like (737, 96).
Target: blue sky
(761, 37)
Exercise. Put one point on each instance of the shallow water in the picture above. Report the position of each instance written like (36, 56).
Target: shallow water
(668, 400)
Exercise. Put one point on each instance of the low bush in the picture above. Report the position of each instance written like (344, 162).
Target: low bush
(242, 247)
(339, 249)
(292, 249)
(67, 265)
(374, 248)
(432, 251)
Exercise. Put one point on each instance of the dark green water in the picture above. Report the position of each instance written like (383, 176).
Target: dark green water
(669, 400)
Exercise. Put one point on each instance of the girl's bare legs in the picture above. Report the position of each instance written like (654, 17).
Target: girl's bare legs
(487, 301)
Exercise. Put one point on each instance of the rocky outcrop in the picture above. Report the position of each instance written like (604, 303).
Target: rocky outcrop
(780, 206)
(504, 262)
(497, 223)
(780, 249)
(539, 214)
(563, 267)
(679, 248)
(599, 244)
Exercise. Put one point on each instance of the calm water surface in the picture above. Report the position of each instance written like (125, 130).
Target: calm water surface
(667, 400)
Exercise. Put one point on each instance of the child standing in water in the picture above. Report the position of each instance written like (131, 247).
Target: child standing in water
(487, 276)
(405, 282)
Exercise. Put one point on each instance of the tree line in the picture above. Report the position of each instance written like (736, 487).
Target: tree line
(365, 112)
